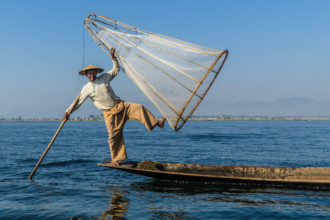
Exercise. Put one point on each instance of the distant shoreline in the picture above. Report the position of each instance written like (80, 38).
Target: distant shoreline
(234, 118)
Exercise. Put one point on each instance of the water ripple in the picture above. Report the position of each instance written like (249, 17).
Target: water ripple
(70, 185)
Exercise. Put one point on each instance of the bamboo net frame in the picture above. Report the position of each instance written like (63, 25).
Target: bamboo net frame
(108, 33)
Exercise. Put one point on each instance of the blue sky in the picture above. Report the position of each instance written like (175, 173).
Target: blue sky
(277, 49)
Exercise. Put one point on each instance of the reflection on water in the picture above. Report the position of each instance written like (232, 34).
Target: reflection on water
(118, 205)
(171, 215)
(215, 195)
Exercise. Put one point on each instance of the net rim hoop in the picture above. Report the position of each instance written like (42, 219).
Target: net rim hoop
(225, 52)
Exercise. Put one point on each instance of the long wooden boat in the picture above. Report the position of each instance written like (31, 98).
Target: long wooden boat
(310, 177)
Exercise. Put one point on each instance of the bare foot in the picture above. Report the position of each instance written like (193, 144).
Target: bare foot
(161, 122)
(114, 163)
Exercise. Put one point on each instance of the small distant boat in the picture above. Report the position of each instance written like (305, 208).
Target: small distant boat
(300, 177)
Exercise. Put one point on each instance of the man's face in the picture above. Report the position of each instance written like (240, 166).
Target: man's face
(91, 74)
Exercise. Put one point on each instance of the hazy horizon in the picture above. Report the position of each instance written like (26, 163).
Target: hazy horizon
(289, 107)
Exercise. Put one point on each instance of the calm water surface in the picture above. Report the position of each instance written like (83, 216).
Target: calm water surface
(69, 184)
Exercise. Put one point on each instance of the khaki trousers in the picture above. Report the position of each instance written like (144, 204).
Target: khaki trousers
(115, 119)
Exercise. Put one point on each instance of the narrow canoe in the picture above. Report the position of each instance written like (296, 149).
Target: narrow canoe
(310, 177)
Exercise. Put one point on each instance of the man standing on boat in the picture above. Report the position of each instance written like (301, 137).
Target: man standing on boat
(116, 112)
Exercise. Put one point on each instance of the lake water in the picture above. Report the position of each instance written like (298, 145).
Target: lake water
(70, 185)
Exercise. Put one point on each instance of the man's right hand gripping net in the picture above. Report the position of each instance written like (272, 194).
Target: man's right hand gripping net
(173, 74)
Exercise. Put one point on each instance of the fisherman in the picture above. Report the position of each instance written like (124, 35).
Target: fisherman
(116, 111)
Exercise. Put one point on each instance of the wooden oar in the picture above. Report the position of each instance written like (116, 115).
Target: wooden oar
(53, 139)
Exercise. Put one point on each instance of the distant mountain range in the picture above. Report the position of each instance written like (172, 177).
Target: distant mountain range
(302, 107)
(290, 107)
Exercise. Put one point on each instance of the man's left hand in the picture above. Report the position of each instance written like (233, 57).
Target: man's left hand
(113, 52)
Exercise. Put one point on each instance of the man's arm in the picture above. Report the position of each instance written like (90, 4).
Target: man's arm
(115, 70)
(83, 96)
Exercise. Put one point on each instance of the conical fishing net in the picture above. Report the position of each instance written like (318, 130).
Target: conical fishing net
(173, 74)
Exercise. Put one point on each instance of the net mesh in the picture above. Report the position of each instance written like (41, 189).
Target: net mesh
(173, 74)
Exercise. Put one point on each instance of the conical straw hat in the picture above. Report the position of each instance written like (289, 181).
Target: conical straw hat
(90, 67)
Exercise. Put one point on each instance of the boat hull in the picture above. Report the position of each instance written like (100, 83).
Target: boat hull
(310, 177)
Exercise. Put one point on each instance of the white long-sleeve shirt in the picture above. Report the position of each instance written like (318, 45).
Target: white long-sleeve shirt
(100, 91)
